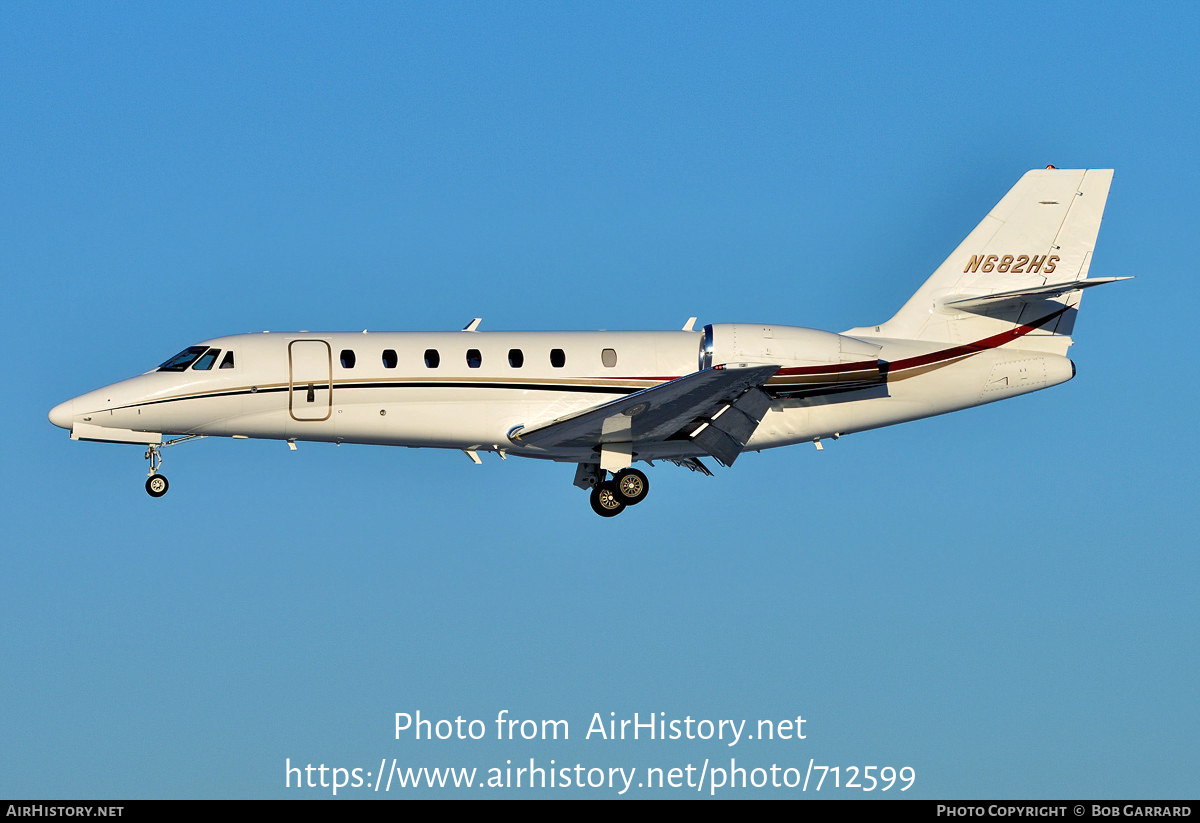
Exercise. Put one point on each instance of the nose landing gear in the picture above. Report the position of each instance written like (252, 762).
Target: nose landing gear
(156, 484)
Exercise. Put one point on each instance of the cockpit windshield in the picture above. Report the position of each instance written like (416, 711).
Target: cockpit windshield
(185, 358)
(206, 360)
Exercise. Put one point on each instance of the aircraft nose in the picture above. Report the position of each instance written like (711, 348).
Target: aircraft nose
(61, 414)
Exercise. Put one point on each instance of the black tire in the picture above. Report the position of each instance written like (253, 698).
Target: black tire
(632, 486)
(157, 485)
(606, 502)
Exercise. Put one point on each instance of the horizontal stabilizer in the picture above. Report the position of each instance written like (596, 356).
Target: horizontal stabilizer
(1005, 298)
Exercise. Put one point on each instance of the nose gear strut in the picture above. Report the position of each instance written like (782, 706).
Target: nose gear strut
(156, 484)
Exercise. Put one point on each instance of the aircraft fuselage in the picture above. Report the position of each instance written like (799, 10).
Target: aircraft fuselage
(470, 390)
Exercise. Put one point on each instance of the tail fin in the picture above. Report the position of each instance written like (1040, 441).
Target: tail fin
(1024, 266)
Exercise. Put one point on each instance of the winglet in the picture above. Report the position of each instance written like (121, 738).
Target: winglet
(473, 325)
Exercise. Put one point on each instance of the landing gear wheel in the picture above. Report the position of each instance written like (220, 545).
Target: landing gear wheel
(632, 486)
(606, 501)
(157, 485)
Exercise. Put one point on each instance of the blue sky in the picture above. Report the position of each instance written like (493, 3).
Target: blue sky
(1004, 599)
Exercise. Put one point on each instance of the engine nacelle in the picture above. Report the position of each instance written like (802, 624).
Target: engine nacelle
(812, 361)
(786, 346)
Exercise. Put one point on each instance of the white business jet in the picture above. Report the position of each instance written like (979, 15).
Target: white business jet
(993, 321)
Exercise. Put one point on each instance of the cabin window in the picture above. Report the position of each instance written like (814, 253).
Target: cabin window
(389, 359)
(515, 358)
(347, 358)
(184, 359)
(432, 358)
(227, 361)
(474, 358)
(558, 358)
(206, 360)
(609, 358)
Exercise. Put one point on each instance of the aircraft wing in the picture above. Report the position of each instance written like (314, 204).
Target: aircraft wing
(717, 408)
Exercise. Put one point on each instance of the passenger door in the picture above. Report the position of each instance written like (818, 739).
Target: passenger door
(310, 391)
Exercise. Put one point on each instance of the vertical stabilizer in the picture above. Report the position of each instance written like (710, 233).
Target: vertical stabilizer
(1018, 267)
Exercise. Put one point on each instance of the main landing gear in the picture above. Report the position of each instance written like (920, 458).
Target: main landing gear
(628, 487)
